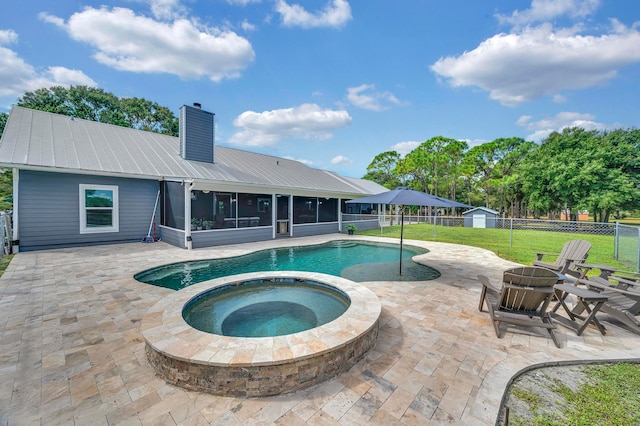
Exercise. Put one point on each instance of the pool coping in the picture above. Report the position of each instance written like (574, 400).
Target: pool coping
(173, 345)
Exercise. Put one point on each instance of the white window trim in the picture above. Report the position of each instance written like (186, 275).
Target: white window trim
(83, 210)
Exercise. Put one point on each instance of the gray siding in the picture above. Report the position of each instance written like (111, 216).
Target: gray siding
(172, 236)
(50, 215)
(196, 134)
(315, 229)
(202, 239)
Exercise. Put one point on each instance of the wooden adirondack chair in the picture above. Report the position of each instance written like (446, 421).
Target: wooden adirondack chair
(623, 298)
(575, 251)
(522, 299)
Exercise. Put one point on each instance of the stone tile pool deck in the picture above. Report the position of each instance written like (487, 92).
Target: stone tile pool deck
(72, 352)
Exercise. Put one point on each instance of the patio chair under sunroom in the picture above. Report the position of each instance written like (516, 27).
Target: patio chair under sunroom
(522, 299)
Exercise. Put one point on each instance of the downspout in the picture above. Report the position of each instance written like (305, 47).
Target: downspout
(187, 216)
(15, 243)
(339, 214)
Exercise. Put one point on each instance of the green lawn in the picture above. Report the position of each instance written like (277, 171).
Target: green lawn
(4, 262)
(522, 248)
(634, 221)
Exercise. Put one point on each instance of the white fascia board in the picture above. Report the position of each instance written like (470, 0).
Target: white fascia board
(222, 186)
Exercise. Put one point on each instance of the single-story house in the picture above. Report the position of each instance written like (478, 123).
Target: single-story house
(79, 182)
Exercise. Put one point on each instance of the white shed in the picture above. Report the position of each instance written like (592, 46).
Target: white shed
(480, 217)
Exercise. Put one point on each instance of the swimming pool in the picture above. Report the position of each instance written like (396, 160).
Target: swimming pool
(357, 261)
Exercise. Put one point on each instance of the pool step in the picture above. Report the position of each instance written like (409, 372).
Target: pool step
(343, 244)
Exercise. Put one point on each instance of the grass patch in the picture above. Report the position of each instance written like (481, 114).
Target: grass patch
(609, 397)
(532, 399)
(4, 263)
(630, 221)
(605, 395)
(521, 247)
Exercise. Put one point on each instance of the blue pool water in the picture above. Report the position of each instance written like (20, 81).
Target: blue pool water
(262, 308)
(356, 261)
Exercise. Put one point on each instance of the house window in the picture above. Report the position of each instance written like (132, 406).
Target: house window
(98, 208)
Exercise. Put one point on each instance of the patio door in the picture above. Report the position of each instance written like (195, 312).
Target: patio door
(282, 215)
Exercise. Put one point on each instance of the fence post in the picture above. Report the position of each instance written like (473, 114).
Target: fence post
(616, 236)
(638, 253)
(5, 237)
(510, 232)
(434, 230)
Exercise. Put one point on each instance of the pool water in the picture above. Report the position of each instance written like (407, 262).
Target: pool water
(263, 308)
(356, 261)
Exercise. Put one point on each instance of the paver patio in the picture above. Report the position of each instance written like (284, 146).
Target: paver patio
(71, 349)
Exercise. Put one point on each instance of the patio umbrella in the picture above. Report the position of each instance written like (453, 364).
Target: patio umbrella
(407, 197)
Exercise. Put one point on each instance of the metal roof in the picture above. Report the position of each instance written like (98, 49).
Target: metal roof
(486, 209)
(40, 140)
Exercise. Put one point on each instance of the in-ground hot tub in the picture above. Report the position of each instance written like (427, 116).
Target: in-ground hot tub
(265, 307)
(259, 366)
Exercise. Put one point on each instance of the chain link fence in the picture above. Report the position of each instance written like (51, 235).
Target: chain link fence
(5, 233)
(624, 239)
(627, 245)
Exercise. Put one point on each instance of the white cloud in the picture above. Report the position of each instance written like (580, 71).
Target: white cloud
(300, 160)
(242, 2)
(341, 159)
(307, 121)
(168, 9)
(543, 10)
(247, 26)
(403, 148)
(542, 128)
(129, 42)
(69, 77)
(474, 142)
(559, 99)
(18, 77)
(335, 14)
(364, 96)
(55, 20)
(561, 120)
(520, 67)
(8, 37)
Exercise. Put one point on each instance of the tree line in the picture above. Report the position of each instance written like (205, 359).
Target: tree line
(570, 171)
(95, 104)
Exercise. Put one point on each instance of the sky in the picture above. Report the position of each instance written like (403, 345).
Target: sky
(333, 83)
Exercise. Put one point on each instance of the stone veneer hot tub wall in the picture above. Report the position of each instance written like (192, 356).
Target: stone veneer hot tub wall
(262, 366)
